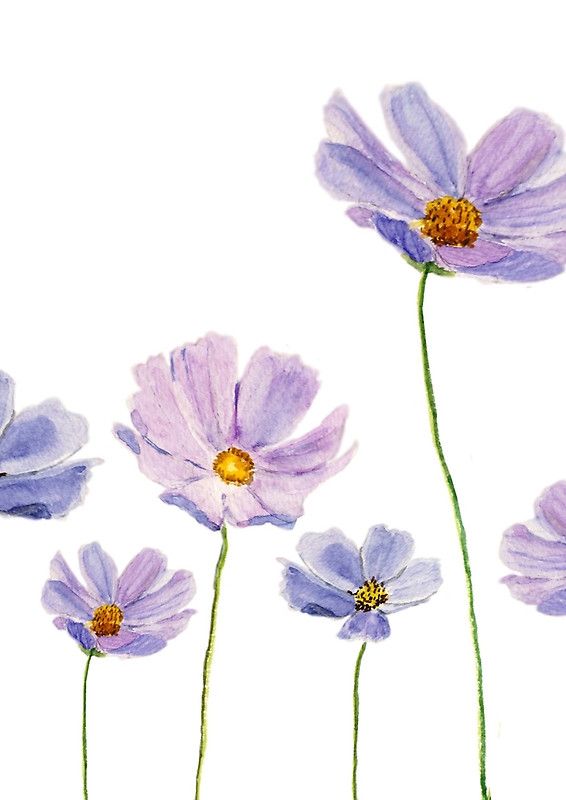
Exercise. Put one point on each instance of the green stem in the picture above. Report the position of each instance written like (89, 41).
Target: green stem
(85, 756)
(208, 659)
(356, 720)
(432, 410)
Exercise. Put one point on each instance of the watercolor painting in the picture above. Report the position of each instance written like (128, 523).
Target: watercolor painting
(241, 330)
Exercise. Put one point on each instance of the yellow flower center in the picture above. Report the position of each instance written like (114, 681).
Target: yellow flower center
(451, 221)
(106, 620)
(234, 466)
(370, 595)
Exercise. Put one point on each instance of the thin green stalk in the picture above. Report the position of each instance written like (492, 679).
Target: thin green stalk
(85, 755)
(461, 533)
(208, 659)
(356, 720)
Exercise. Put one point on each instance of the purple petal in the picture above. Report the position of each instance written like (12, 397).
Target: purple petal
(509, 154)
(159, 415)
(419, 581)
(534, 212)
(551, 509)
(244, 507)
(274, 394)
(531, 590)
(385, 553)
(348, 175)
(124, 637)
(207, 373)
(58, 598)
(6, 400)
(41, 437)
(555, 605)
(46, 494)
(345, 127)
(156, 464)
(482, 252)
(167, 628)
(401, 235)
(333, 557)
(81, 635)
(201, 499)
(310, 451)
(363, 217)
(312, 596)
(282, 495)
(369, 625)
(60, 571)
(162, 603)
(430, 140)
(99, 572)
(520, 266)
(531, 555)
(140, 575)
(143, 645)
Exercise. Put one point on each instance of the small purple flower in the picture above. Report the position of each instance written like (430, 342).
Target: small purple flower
(537, 551)
(363, 585)
(36, 481)
(499, 211)
(132, 614)
(214, 441)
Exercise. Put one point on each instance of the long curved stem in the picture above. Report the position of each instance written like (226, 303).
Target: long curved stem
(208, 659)
(85, 753)
(432, 410)
(356, 720)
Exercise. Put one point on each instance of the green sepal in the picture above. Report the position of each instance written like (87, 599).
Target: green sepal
(93, 652)
(430, 266)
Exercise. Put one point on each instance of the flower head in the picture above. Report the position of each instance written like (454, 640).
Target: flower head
(499, 211)
(537, 551)
(36, 480)
(363, 585)
(215, 441)
(132, 614)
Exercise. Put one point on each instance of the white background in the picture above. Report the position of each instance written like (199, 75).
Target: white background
(156, 182)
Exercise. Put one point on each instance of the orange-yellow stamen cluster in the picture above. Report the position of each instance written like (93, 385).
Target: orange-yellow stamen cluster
(106, 620)
(370, 595)
(234, 466)
(451, 221)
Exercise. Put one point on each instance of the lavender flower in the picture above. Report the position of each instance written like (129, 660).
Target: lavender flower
(500, 211)
(214, 441)
(363, 585)
(132, 614)
(537, 551)
(36, 481)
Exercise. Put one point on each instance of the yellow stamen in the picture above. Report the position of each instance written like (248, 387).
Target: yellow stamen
(234, 466)
(370, 595)
(106, 620)
(451, 221)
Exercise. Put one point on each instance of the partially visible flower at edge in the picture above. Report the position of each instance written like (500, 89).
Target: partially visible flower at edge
(364, 585)
(537, 550)
(36, 480)
(132, 614)
(214, 441)
(498, 212)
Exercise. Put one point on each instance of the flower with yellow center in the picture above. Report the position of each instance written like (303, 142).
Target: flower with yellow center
(106, 620)
(234, 466)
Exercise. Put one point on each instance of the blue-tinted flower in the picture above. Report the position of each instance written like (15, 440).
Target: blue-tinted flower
(537, 551)
(363, 585)
(499, 211)
(36, 480)
(132, 614)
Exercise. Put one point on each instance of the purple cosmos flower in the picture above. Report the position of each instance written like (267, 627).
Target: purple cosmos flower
(499, 211)
(214, 441)
(363, 585)
(35, 479)
(537, 550)
(132, 614)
